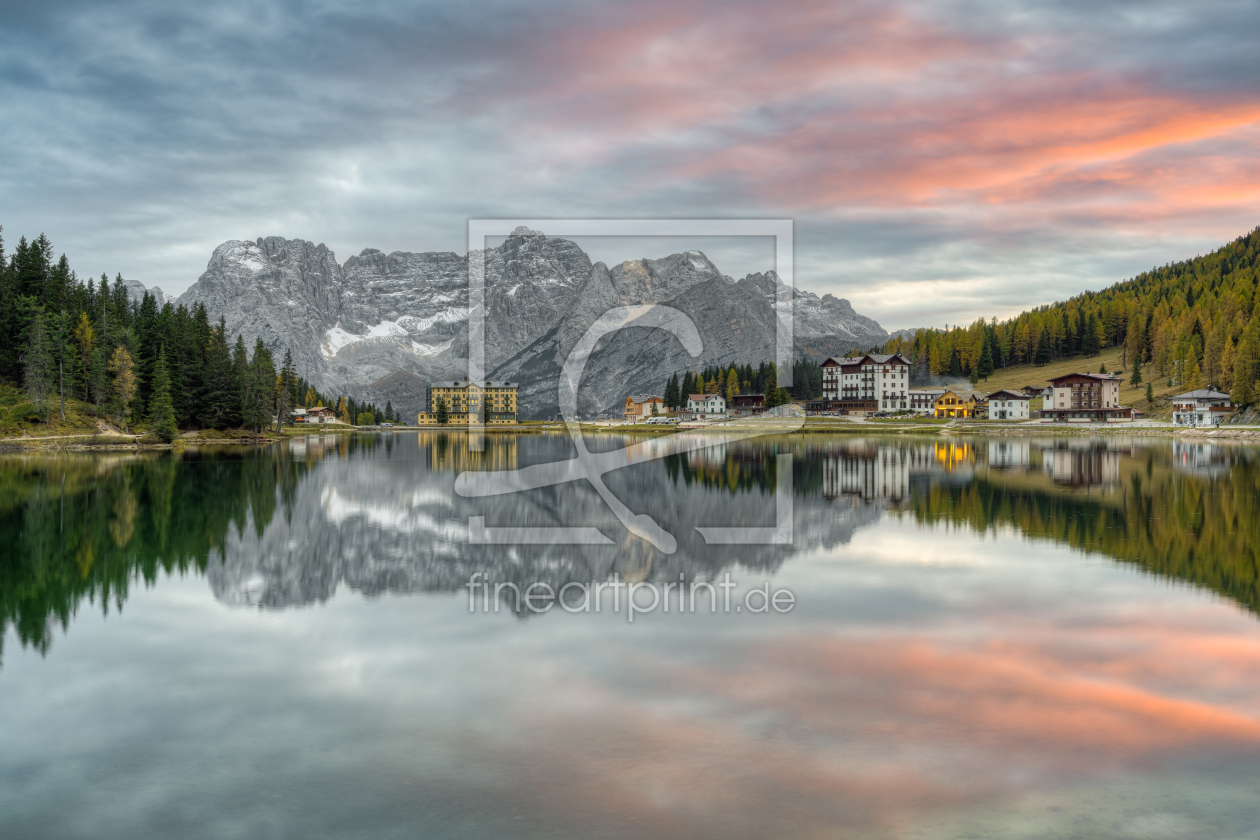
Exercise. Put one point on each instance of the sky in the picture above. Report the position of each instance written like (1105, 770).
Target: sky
(942, 160)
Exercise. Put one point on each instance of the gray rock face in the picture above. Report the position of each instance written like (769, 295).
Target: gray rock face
(136, 291)
(382, 326)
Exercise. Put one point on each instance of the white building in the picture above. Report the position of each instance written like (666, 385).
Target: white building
(874, 382)
(707, 406)
(1008, 405)
(1203, 407)
(923, 400)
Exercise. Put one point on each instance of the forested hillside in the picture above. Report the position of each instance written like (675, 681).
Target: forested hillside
(131, 361)
(1193, 324)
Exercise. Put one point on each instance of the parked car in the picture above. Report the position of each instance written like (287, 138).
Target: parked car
(387, 425)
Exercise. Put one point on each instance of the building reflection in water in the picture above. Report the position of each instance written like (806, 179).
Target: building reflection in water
(449, 452)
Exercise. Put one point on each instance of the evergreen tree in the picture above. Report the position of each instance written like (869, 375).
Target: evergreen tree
(1102, 368)
(389, 412)
(37, 375)
(161, 409)
(97, 384)
(1090, 344)
(284, 391)
(1042, 354)
(732, 385)
(1137, 371)
(242, 383)
(671, 392)
(219, 400)
(443, 413)
(258, 397)
(984, 366)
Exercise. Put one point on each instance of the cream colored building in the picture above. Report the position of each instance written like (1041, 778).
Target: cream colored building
(464, 402)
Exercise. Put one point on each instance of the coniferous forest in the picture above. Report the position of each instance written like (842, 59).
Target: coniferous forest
(1195, 324)
(132, 363)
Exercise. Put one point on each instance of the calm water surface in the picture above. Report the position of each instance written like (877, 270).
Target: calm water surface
(992, 638)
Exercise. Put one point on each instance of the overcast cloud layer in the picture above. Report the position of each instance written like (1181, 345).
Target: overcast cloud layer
(942, 160)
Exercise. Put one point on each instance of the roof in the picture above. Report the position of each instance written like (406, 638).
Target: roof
(703, 397)
(1101, 377)
(464, 383)
(642, 398)
(969, 396)
(926, 391)
(877, 358)
(1202, 394)
(1009, 395)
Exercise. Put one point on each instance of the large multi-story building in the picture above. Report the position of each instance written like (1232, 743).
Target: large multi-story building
(1085, 398)
(466, 400)
(874, 382)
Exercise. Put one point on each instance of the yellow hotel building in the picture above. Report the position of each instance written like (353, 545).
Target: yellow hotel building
(950, 404)
(464, 401)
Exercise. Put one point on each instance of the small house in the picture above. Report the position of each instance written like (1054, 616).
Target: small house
(1202, 408)
(707, 406)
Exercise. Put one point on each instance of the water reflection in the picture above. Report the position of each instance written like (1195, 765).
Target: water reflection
(286, 526)
(954, 667)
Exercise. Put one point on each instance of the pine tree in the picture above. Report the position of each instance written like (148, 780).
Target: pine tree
(1150, 393)
(1090, 344)
(220, 402)
(984, 366)
(1137, 371)
(1102, 368)
(161, 410)
(389, 412)
(259, 394)
(284, 391)
(732, 386)
(443, 413)
(37, 375)
(343, 413)
(1042, 354)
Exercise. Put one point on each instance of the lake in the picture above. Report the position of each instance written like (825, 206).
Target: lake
(950, 637)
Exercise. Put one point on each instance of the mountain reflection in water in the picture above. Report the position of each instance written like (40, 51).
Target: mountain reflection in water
(286, 525)
(984, 644)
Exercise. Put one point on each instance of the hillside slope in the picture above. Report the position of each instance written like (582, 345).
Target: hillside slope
(1186, 325)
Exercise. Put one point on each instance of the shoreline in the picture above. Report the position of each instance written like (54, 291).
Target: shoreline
(90, 443)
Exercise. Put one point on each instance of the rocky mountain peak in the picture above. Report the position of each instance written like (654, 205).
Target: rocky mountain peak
(381, 323)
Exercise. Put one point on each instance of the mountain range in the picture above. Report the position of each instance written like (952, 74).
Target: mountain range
(382, 326)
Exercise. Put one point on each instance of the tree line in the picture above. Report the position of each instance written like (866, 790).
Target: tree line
(1194, 323)
(157, 368)
(735, 380)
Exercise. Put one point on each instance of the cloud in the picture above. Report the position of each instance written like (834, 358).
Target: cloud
(940, 158)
